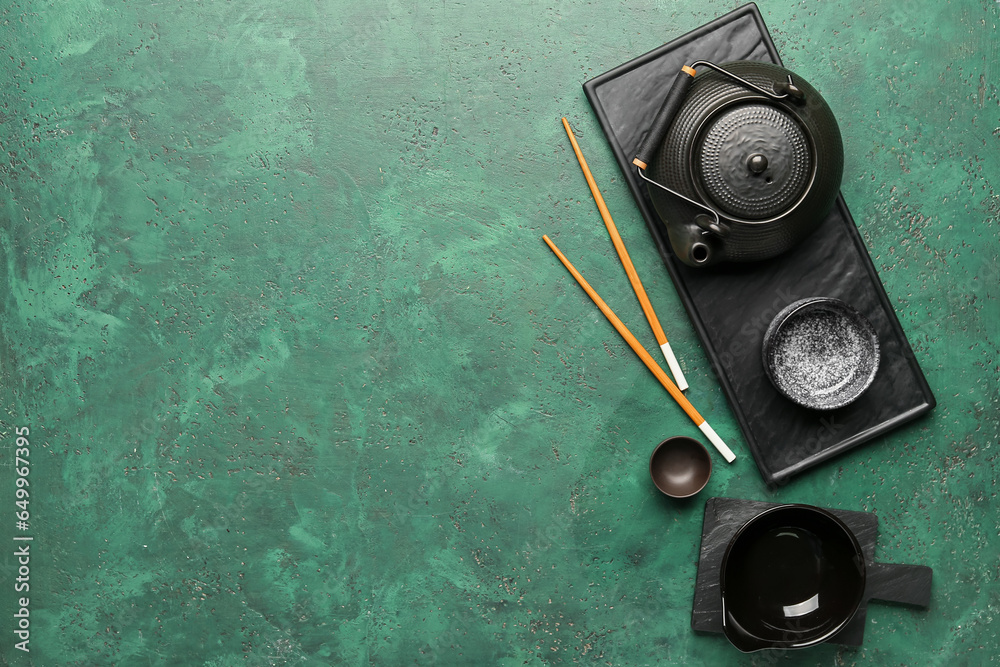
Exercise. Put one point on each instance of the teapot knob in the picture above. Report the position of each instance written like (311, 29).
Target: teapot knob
(757, 163)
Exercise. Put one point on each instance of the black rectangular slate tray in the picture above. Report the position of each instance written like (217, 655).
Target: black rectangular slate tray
(901, 584)
(731, 307)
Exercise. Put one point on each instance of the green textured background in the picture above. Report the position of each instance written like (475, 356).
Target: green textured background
(305, 386)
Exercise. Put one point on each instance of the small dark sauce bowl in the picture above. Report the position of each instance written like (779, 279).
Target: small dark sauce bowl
(680, 467)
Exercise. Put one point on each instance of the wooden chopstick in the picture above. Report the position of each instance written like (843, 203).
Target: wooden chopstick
(633, 277)
(651, 364)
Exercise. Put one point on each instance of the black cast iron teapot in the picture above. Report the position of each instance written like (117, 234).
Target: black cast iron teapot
(743, 161)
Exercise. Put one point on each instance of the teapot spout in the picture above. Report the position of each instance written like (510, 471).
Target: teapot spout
(693, 245)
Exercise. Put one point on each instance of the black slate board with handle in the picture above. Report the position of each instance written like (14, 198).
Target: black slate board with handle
(730, 307)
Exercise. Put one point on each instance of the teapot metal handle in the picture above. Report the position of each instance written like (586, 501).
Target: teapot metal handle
(665, 117)
(786, 89)
(715, 225)
(675, 97)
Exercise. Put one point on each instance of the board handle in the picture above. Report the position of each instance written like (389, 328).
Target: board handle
(902, 584)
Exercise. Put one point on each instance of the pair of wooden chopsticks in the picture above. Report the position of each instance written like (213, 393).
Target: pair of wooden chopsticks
(636, 346)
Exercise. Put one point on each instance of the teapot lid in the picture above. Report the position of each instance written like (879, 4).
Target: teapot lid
(753, 160)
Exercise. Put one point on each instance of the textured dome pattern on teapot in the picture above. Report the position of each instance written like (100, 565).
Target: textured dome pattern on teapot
(753, 161)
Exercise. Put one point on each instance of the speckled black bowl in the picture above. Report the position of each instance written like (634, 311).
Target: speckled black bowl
(821, 353)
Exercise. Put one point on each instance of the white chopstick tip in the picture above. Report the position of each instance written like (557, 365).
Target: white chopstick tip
(714, 438)
(675, 368)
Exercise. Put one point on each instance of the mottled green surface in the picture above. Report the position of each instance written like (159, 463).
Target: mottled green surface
(305, 387)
